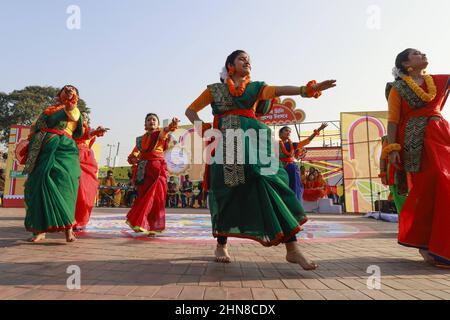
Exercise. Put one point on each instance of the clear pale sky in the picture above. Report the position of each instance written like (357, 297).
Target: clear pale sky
(138, 56)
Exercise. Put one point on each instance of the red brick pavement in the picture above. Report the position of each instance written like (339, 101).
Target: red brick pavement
(123, 268)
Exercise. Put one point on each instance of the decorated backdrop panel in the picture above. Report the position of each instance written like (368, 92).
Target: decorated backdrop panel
(361, 149)
(14, 179)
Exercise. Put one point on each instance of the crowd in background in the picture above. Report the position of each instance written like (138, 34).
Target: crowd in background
(190, 194)
(187, 194)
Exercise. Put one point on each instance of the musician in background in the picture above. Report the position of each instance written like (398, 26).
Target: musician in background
(187, 195)
(172, 193)
(109, 191)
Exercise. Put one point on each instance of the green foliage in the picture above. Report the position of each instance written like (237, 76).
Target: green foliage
(24, 106)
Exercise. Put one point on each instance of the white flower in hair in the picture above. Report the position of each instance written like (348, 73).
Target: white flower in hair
(224, 74)
(397, 73)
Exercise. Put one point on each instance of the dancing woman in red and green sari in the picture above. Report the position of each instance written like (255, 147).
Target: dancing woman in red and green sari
(148, 213)
(53, 168)
(245, 200)
(419, 148)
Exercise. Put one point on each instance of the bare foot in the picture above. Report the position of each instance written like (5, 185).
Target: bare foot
(426, 257)
(294, 255)
(221, 254)
(430, 260)
(70, 236)
(37, 238)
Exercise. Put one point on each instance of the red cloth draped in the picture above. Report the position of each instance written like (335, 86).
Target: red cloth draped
(424, 219)
(87, 190)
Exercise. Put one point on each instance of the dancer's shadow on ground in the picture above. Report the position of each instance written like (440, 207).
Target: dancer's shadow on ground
(195, 270)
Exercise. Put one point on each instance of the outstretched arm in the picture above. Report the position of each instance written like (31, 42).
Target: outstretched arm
(311, 137)
(303, 91)
(99, 132)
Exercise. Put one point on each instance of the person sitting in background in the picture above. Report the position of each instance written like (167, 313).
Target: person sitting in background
(198, 195)
(130, 193)
(314, 187)
(110, 195)
(187, 196)
(172, 192)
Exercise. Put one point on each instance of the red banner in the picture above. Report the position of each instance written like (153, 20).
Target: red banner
(283, 113)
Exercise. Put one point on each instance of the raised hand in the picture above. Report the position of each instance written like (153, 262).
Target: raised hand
(323, 126)
(325, 85)
(100, 131)
(133, 160)
(173, 125)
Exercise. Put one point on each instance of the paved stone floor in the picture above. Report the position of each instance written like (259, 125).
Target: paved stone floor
(116, 264)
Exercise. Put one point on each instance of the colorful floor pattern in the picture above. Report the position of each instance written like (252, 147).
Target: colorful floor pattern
(197, 227)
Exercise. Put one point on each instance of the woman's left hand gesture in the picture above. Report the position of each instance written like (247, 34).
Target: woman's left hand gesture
(325, 85)
(174, 124)
(100, 131)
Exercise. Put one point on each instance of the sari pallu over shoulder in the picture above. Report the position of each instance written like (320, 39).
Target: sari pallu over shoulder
(57, 121)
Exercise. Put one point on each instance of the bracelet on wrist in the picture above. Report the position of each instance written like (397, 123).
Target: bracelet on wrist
(311, 91)
(390, 148)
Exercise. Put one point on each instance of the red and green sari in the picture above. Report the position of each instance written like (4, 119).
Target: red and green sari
(251, 200)
(53, 169)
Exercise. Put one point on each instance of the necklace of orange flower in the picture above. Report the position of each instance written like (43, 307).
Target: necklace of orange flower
(289, 153)
(239, 91)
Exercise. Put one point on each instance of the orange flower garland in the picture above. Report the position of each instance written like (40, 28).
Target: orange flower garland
(237, 92)
(291, 148)
(432, 90)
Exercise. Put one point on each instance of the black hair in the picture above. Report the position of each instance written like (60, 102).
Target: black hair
(68, 85)
(231, 58)
(282, 129)
(109, 171)
(152, 114)
(401, 58)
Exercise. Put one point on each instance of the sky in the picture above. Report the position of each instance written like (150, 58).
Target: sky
(132, 57)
